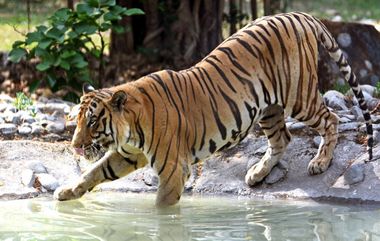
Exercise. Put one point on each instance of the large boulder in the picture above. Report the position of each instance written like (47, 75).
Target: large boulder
(361, 45)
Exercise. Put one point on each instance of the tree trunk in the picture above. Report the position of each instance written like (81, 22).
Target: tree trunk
(233, 16)
(254, 9)
(28, 13)
(70, 4)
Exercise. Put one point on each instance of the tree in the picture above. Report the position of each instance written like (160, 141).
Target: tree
(178, 32)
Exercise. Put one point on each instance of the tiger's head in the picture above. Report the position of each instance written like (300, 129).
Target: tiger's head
(100, 116)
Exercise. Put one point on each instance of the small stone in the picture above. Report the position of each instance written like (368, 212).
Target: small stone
(56, 107)
(71, 125)
(74, 112)
(363, 73)
(376, 136)
(27, 178)
(150, 179)
(354, 174)
(37, 167)
(335, 100)
(275, 175)
(6, 99)
(368, 64)
(3, 107)
(295, 126)
(8, 129)
(11, 117)
(48, 181)
(56, 127)
(341, 82)
(1, 120)
(357, 112)
(344, 120)
(317, 140)
(352, 126)
(24, 130)
(37, 129)
(372, 103)
(282, 164)
(27, 119)
(11, 108)
(344, 39)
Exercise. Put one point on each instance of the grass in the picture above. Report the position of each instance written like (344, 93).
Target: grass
(349, 10)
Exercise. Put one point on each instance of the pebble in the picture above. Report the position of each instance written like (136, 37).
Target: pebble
(317, 140)
(354, 174)
(261, 150)
(24, 130)
(48, 181)
(357, 112)
(3, 107)
(335, 100)
(8, 129)
(28, 178)
(27, 119)
(295, 126)
(275, 175)
(71, 125)
(352, 126)
(37, 129)
(1, 120)
(150, 178)
(376, 136)
(37, 167)
(11, 117)
(56, 127)
(6, 98)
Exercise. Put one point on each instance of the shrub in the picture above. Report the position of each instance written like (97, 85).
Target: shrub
(65, 44)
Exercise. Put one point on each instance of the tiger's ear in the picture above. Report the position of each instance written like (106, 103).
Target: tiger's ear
(118, 100)
(87, 88)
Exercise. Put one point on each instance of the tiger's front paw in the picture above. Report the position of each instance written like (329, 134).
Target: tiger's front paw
(64, 193)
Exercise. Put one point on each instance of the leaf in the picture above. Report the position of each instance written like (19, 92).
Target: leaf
(33, 37)
(17, 54)
(67, 54)
(63, 14)
(111, 17)
(105, 27)
(83, 8)
(85, 28)
(96, 52)
(17, 43)
(118, 29)
(64, 65)
(44, 43)
(43, 66)
(34, 85)
(81, 64)
(40, 52)
(134, 11)
(56, 34)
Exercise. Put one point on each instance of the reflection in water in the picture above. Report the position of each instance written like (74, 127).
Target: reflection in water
(112, 216)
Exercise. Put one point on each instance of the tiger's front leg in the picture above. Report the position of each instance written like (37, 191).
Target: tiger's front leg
(110, 167)
(173, 176)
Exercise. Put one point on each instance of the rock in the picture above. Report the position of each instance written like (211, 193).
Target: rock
(275, 175)
(27, 118)
(6, 99)
(295, 126)
(74, 112)
(8, 129)
(354, 174)
(344, 119)
(3, 107)
(368, 64)
(372, 103)
(376, 136)
(335, 100)
(352, 126)
(357, 112)
(56, 127)
(24, 130)
(37, 129)
(27, 178)
(71, 125)
(37, 167)
(57, 107)
(317, 140)
(11, 117)
(344, 39)
(48, 181)
(283, 165)
(150, 178)
(252, 161)
(374, 79)
(369, 89)
(11, 108)
(261, 150)
(1, 120)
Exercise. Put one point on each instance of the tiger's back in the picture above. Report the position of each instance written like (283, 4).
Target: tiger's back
(262, 73)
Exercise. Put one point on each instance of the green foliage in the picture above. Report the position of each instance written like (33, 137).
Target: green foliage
(65, 44)
(342, 88)
(23, 102)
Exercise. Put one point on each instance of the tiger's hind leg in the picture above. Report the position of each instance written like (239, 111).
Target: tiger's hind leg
(326, 124)
(273, 125)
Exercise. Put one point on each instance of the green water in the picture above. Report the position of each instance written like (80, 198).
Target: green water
(115, 216)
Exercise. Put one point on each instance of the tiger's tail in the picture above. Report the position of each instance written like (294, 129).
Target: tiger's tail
(324, 37)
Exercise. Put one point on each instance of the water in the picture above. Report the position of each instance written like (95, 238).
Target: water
(116, 216)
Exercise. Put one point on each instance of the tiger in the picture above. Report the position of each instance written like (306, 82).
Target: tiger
(170, 120)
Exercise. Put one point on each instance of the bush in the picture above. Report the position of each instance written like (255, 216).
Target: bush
(65, 44)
